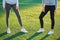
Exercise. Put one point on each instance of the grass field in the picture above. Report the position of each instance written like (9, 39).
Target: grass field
(30, 18)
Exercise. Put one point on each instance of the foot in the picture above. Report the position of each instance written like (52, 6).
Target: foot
(8, 30)
(40, 30)
(50, 32)
(24, 30)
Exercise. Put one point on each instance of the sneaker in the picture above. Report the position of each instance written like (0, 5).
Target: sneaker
(40, 30)
(24, 30)
(50, 32)
(8, 30)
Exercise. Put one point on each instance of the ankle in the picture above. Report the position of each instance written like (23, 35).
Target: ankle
(22, 27)
(41, 28)
(51, 29)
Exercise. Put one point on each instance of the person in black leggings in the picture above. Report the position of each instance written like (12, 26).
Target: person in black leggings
(51, 9)
(48, 6)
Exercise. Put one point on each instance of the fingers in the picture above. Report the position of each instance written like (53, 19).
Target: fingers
(43, 9)
(55, 11)
(16, 8)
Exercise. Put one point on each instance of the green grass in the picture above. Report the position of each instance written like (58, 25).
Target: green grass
(30, 19)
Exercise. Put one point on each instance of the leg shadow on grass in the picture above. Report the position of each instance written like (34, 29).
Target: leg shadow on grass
(34, 35)
(58, 38)
(44, 37)
(2, 34)
(15, 35)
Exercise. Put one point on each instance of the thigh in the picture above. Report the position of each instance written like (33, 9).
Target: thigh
(44, 13)
(14, 7)
(52, 9)
(8, 7)
(16, 11)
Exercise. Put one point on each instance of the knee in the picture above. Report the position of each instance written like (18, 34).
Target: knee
(18, 16)
(40, 17)
(7, 16)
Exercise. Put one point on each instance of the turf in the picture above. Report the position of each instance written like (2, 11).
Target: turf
(30, 17)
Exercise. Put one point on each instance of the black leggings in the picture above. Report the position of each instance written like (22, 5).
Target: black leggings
(8, 7)
(50, 8)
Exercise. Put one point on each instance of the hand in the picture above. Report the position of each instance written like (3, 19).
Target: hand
(16, 8)
(55, 11)
(43, 8)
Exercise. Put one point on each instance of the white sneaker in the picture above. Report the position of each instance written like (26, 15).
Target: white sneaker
(40, 30)
(8, 30)
(50, 32)
(24, 30)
